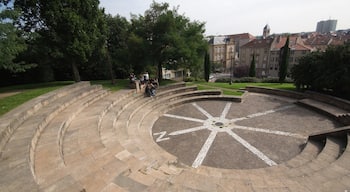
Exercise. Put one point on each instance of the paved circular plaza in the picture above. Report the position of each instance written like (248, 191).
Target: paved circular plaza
(261, 131)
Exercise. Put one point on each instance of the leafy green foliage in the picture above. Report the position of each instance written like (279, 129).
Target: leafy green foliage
(167, 39)
(206, 67)
(72, 29)
(117, 44)
(284, 62)
(252, 67)
(329, 70)
(12, 43)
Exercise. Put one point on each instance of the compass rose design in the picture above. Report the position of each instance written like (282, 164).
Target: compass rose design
(221, 124)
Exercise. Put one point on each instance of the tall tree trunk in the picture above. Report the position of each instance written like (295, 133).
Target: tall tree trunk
(76, 74)
(160, 72)
(284, 61)
(206, 67)
(109, 63)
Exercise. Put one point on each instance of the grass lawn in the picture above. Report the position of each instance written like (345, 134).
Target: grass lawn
(26, 92)
(23, 93)
(119, 84)
(30, 91)
(234, 88)
(122, 83)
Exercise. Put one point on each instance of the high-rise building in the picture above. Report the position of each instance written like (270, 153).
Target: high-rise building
(326, 26)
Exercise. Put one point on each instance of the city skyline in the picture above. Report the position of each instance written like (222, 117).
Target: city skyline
(232, 17)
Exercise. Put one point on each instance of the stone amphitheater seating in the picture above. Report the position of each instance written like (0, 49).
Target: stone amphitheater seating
(334, 107)
(84, 138)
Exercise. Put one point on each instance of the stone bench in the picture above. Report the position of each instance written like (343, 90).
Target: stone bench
(278, 92)
(10, 121)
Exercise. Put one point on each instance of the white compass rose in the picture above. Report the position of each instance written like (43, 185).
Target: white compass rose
(221, 124)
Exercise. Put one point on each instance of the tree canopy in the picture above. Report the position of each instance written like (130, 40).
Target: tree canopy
(284, 61)
(75, 39)
(73, 29)
(169, 39)
(325, 71)
(252, 67)
(12, 43)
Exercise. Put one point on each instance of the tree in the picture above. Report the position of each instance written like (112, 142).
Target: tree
(206, 67)
(169, 39)
(284, 61)
(72, 29)
(325, 71)
(12, 43)
(303, 73)
(252, 67)
(117, 44)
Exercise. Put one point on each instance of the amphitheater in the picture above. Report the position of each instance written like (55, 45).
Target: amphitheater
(85, 138)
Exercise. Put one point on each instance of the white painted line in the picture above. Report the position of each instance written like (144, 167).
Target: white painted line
(184, 131)
(184, 118)
(161, 136)
(204, 151)
(225, 111)
(251, 148)
(202, 110)
(262, 113)
(269, 131)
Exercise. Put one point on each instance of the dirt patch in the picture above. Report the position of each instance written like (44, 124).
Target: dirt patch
(3, 95)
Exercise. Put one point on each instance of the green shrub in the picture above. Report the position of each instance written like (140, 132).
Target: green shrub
(223, 80)
(247, 80)
(189, 79)
(276, 80)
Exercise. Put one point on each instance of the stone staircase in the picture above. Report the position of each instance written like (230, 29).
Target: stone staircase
(84, 138)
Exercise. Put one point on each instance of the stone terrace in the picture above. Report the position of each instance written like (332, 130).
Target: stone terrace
(84, 138)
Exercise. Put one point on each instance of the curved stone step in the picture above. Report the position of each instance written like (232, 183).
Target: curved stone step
(101, 156)
(335, 176)
(323, 108)
(17, 153)
(329, 154)
(10, 121)
(48, 154)
(87, 142)
(310, 152)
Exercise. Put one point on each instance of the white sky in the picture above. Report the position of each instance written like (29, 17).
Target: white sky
(246, 16)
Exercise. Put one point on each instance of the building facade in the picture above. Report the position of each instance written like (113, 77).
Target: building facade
(240, 40)
(326, 26)
(267, 53)
(222, 52)
(260, 48)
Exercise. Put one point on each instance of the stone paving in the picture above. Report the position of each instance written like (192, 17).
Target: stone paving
(244, 132)
(183, 140)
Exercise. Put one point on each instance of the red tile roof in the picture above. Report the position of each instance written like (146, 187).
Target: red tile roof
(259, 43)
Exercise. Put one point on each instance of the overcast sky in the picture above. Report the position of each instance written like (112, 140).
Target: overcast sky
(224, 17)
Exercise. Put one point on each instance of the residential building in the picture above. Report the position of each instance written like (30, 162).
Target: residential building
(326, 26)
(261, 49)
(177, 75)
(240, 40)
(222, 52)
(267, 53)
(320, 42)
(297, 50)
